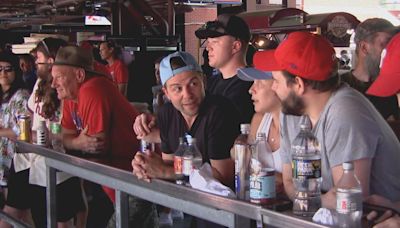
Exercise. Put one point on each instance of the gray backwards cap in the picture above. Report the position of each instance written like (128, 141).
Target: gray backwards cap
(166, 70)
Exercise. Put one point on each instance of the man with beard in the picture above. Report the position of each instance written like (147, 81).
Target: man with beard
(189, 112)
(372, 35)
(346, 124)
(227, 43)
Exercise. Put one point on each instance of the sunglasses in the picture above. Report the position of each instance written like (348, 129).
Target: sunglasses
(6, 69)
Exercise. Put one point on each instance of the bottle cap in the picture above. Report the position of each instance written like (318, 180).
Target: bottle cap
(244, 127)
(348, 166)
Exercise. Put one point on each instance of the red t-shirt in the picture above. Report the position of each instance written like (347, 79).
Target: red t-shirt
(119, 72)
(102, 108)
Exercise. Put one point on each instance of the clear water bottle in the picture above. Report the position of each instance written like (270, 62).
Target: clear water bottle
(306, 172)
(262, 172)
(242, 155)
(178, 161)
(56, 137)
(42, 134)
(349, 198)
(192, 158)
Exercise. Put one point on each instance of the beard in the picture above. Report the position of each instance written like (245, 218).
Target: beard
(372, 65)
(293, 105)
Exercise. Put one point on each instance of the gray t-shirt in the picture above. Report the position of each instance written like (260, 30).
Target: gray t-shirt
(348, 129)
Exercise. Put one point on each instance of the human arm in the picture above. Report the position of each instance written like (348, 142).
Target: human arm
(149, 165)
(388, 219)
(223, 170)
(362, 169)
(145, 128)
(89, 143)
(8, 133)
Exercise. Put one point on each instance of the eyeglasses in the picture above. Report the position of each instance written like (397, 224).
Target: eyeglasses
(6, 69)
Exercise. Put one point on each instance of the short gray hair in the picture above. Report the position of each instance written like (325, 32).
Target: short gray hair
(367, 29)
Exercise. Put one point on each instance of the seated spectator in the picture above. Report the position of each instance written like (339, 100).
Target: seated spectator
(371, 37)
(97, 122)
(190, 111)
(27, 64)
(13, 100)
(346, 124)
(267, 107)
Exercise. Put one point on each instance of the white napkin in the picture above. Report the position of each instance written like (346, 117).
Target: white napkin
(203, 180)
(325, 216)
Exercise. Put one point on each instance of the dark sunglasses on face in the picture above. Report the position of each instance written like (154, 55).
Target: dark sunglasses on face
(6, 69)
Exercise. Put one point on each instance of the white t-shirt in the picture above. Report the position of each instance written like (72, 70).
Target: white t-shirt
(37, 173)
(264, 126)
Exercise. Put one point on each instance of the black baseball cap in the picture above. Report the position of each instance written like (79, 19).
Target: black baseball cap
(225, 24)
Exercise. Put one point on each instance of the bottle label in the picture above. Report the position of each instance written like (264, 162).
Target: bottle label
(262, 186)
(55, 128)
(187, 166)
(306, 169)
(178, 164)
(346, 204)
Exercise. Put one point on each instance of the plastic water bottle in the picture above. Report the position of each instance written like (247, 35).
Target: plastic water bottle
(178, 162)
(306, 172)
(262, 173)
(192, 158)
(56, 137)
(242, 155)
(349, 198)
(42, 134)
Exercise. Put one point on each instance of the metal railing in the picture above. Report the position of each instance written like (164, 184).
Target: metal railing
(217, 209)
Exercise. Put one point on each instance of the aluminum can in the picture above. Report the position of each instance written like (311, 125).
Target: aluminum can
(144, 146)
(24, 123)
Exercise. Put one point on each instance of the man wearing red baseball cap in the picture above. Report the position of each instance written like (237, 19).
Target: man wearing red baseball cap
(346, 124)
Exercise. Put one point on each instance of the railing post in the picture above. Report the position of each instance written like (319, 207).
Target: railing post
(121, 209)
(51, 197)
(241, 221)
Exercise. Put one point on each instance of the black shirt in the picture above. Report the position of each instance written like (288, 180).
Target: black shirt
(215, 128)
(236, 90)
(386, 106)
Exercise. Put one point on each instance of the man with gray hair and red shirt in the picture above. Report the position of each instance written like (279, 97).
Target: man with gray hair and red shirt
(348, 127)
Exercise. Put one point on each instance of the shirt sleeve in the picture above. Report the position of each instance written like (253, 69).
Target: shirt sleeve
(17, 106)
(349, 142)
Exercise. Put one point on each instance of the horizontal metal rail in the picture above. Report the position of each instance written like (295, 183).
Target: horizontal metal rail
(224, 211)
(12, 221)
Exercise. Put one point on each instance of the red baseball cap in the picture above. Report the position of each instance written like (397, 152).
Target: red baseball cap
(388, 81)
(304, 54)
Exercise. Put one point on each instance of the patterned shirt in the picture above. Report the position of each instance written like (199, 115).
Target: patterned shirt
(8, 115)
